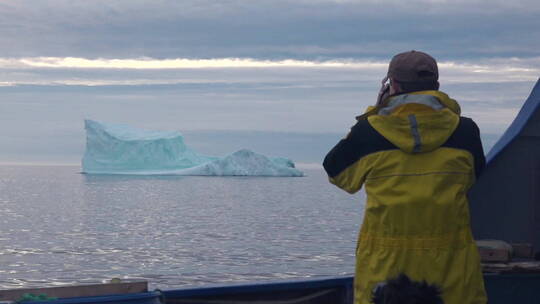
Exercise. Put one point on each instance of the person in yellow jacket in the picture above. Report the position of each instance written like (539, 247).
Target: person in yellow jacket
(417, 158)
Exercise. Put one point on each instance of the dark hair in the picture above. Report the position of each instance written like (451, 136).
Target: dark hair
(408, 87)
(402, 290)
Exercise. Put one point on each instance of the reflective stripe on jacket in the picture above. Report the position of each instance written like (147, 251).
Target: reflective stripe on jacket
(417, 159)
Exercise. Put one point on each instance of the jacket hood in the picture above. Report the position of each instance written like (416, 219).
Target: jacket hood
(417, 122)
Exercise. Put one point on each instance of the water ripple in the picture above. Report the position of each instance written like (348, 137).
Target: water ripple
(60, 228)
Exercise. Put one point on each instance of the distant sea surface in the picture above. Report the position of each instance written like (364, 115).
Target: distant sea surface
(59, 227)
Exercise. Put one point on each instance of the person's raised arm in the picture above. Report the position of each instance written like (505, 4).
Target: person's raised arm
(345, 164)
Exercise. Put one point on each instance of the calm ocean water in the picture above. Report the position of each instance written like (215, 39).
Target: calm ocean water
(60, 227)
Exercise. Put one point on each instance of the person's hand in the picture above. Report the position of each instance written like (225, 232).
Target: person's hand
(384, 92)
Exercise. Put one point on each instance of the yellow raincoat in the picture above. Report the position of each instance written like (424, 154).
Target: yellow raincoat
(417, 159)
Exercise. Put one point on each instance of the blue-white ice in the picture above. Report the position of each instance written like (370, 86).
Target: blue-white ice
(121, 149)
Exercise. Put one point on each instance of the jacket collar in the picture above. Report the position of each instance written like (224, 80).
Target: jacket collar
(404, 99)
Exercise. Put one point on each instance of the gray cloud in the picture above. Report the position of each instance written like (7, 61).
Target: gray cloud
(268, 29)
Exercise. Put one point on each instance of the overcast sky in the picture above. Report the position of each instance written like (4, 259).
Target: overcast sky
(269, 29)
(254, 65)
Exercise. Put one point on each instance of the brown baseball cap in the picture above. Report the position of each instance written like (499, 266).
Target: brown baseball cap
(413, 66)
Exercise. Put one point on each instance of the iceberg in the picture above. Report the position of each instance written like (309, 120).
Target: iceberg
(122, 149)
